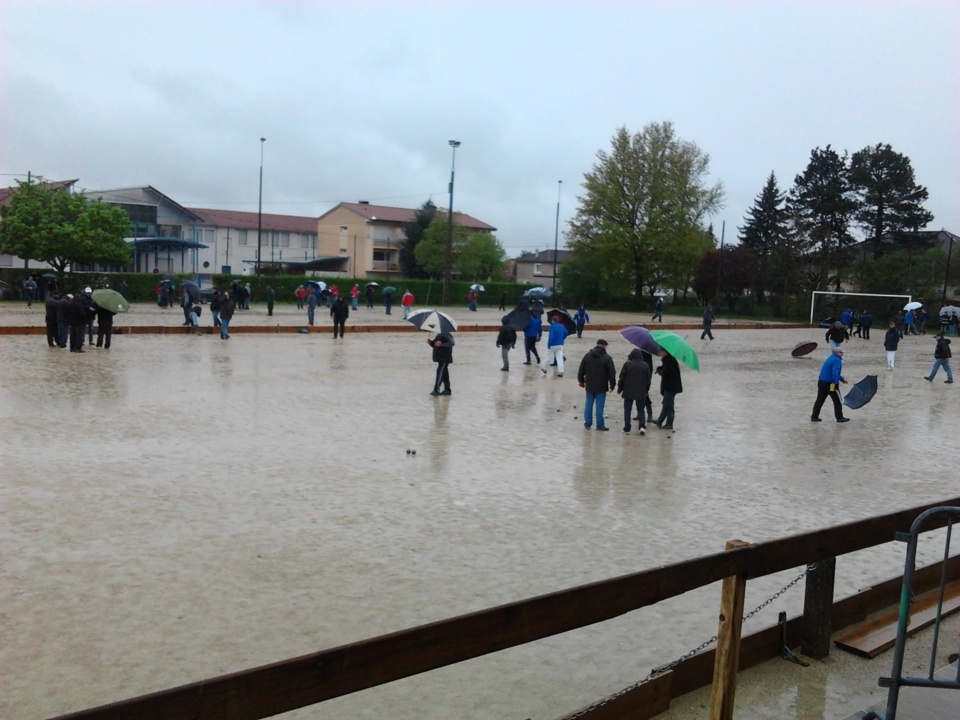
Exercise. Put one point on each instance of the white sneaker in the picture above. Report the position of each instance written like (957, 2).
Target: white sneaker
(642, 431)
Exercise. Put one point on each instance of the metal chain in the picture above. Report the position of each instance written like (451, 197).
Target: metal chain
(686, 656)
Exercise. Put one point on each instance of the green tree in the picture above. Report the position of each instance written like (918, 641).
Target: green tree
(414, 232)
(890, 201)
(821, 207)
(61, 228)
(642, 211)
(764, 229)
(431, 249)
(482, 257)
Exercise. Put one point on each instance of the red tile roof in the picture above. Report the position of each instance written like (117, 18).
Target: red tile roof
(248, 220)
(383, 213)
(5, 193)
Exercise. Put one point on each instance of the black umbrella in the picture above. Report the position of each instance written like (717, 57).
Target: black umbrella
(565, 318)
(170, 277)
(861, 393)
(518, 318)
(803, 348)
(192, 289)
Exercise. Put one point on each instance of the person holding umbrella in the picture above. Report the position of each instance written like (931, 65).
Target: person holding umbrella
(596, 375)
(442, 344)
(827, 384)
(671, 385)
(104, 326)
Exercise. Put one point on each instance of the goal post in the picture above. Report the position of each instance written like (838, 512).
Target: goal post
(813, 297)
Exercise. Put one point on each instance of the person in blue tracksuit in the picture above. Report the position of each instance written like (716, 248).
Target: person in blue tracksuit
(830, 379)
(581, 317)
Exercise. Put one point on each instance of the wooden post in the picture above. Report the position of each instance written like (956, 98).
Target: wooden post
(728, 642)
(817, 606)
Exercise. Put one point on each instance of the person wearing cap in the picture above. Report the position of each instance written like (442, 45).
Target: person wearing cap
(597, 375)
(90, 312)
(827, 384)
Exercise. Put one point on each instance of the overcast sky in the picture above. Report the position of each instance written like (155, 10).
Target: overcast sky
(358, 100)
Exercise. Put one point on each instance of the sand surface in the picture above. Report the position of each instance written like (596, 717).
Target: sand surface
(182, 507)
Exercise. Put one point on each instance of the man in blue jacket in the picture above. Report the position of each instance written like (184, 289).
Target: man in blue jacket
(531, 336)
(827, 384)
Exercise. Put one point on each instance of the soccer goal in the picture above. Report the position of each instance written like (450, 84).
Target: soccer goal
(813, 297)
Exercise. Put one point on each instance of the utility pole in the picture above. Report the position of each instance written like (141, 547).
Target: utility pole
(260, 207)
(448, 260)
(556, 237)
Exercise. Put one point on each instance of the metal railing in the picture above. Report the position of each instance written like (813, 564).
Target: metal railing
(897, 679)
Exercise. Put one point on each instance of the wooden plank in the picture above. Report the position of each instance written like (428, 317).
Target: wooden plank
(638, 703)
(726, 663)
(817, 609)
(880, 633)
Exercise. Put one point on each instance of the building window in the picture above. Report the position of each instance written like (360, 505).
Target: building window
(208, 237)
(382, 234)
(285, 239)
(537, 268)
(242, 237)
(274, 238)
(379, 255)
(343, 228)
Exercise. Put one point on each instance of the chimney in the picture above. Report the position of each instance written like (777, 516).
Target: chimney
(364, 202)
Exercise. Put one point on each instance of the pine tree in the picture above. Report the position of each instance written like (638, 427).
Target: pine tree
(822, 207)
(890, 201)
(764, 230)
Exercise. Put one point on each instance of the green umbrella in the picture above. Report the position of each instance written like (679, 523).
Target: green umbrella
(678, 347)
(110, 300)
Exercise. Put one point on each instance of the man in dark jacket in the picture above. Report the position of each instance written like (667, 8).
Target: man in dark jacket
(53, 332)
(442, 345)
(596, 375)
(77, 321)
(633, 386)
(227, 307)
(215, 301)
(836, 334)
(506, 340)
(670, 386)
(339, 311)
(941, 358)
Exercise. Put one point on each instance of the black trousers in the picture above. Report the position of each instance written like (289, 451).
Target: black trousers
(338, 324)
(443, 377)
(53, 334)
(823, 389)
(104, 333)
(530, 346)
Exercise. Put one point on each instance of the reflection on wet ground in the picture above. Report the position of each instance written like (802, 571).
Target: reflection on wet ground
(181, 507)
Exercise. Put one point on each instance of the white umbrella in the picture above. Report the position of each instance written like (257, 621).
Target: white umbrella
(950, 310)
(319, 283)
(432, 321)
(477, 287)
(913, 305)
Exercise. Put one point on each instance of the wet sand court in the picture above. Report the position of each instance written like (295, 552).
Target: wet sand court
(182, 507)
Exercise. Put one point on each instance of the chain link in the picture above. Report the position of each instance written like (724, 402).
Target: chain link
(686, 656)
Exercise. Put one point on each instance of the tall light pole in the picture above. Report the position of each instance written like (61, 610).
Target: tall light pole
(260, 207)
(556, 237)
(448, 260)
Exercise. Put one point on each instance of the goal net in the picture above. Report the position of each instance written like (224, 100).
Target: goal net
(814, 297)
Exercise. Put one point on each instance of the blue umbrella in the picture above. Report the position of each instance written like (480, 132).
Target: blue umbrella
(861, 393)
(641, 337)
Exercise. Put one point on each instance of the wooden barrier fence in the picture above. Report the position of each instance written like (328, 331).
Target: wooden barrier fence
(301, 681)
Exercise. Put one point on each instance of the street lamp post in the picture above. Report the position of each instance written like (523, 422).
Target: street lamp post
(448, 260)
(946, 273)
(260, 207)
(556, 237)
